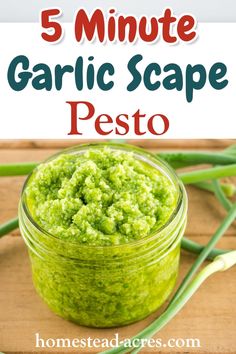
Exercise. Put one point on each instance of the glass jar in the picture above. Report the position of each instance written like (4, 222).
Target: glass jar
(111, 285)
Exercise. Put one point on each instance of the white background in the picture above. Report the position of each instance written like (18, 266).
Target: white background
(39, 114)
(204, 10)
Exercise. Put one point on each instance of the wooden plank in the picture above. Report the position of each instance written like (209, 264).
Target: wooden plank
(209, 315)
(156, 143)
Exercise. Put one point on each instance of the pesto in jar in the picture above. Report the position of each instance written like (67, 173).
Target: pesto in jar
(103, 197)
(103, 250)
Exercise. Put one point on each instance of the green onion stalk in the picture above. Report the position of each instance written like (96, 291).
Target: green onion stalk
(185, 159)
(17, 169)
(228, 189)
(221, 263)
(220, 195)
(8, 227)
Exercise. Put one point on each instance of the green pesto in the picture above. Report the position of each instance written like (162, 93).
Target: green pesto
(107, 296)
(103, 197)
(92, 202)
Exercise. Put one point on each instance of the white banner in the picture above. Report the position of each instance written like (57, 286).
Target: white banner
(33, 113)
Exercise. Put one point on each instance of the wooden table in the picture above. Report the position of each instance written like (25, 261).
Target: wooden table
(209, 316)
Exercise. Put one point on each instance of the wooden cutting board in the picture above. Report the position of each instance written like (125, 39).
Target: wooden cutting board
(209, 316)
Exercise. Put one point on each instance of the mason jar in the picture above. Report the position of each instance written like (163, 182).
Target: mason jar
(106, 286)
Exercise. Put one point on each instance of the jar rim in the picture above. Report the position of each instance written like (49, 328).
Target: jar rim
(147, 157)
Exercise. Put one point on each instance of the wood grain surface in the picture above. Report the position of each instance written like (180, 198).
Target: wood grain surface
(209, 316)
